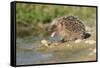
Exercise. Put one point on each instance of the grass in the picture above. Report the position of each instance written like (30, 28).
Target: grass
(31, 20)
(30, 17)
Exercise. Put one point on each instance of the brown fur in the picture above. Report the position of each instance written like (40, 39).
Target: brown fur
(69, 27)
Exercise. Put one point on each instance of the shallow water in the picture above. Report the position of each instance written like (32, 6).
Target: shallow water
(27, 53)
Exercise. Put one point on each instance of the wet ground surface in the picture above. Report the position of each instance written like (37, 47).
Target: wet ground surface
(30, 51)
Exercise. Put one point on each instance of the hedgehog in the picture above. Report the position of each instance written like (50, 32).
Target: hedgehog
(70, 28)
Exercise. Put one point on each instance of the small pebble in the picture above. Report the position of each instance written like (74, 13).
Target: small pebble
(90, 41)
(44, 42)
(68, 45)
(78, 41)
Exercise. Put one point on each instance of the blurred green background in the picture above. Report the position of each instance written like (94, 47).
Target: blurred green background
(31, 19)
(31, 23)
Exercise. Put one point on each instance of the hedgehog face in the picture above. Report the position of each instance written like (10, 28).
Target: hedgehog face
(54, 29)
